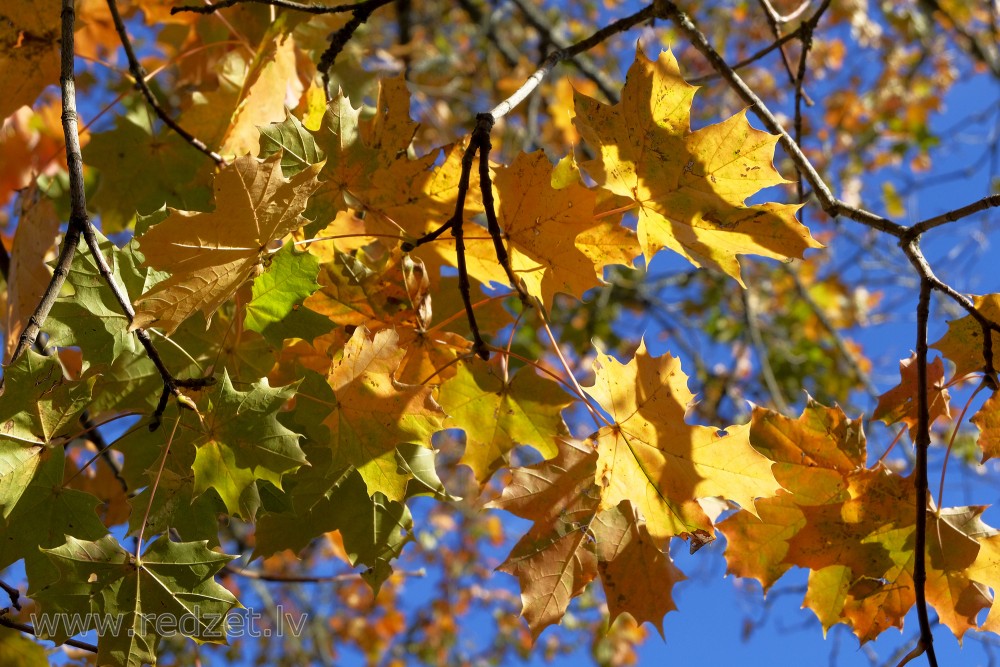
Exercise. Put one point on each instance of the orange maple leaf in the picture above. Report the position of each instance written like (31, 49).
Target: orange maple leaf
(899, 404)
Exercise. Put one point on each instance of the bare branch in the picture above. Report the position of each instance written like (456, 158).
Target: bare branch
(509, 52)
(923, 442)
(339, 39)
(833, 206)
(28, 630)
(283, 4)
(78, 199)
(307, 579)
(537, 20)
(952, 216)
(139, 75)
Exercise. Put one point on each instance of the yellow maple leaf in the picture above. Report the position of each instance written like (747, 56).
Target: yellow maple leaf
(689, 187)
(651, 457)
(962, 344)
(555, 242)
(211, 254)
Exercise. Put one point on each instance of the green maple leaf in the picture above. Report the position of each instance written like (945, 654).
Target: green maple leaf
(142, 169)
(38, 407)
(91, 317)
(498, 413)
(44, 514)
(278, 293)
(241, 441)
(169, 584)
(295, 143)
(374, 528)
(175, 506)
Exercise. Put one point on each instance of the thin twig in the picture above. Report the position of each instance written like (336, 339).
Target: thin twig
(533, 14)
(951, 216)
(830, 204)
(310, 579)
(914, 653)
(480, 141)
(28, 630)
(774, 22)
(919, 262)
(78, 199)
(339, 39)
(753, 325)
(283, 4)
(923, 441)
(749, 60)
(835, 335)
(13, 594)
(139, 75)
(510, 53)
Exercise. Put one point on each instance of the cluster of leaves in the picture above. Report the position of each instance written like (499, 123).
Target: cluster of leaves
(294, 272)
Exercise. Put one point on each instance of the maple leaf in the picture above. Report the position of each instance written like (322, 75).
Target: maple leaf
(44, 515)
(279, 292)
(212, 254)
(254, 89)
(29, 52)
(638, 578)
(368, 413)
(498, 412)
(554, 560)
(390, 131)
(240, 441)
(899, 404)
(158, 167)
(345, 176)
(651, 457)
(28, 276)
(555, 242)
(813, 455)
(573, 539)
(374, 529)
(962, 344)
(987, 420)
(689, 187)
(171, 581)
(91, 318)
(852, 527)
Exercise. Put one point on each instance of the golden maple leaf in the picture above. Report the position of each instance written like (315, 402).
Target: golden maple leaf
(689, 187)
(555, 240)
(211, 254)
(651, 457)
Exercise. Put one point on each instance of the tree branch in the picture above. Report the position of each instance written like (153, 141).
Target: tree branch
(139, 74)
(78, 199)
(282, 4)
(339, 39)
(923, 441)
(830, 204)
(537, 20)
(951, 216)
(510, 54)
(307, 579)
(28, 630)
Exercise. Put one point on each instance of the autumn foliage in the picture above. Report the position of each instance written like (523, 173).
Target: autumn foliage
(302, 299)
